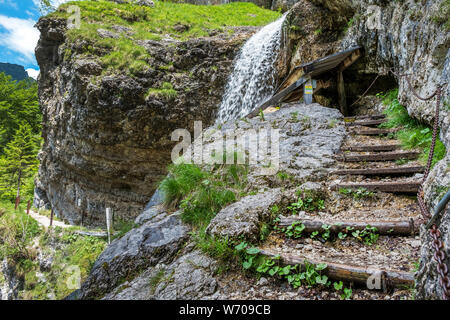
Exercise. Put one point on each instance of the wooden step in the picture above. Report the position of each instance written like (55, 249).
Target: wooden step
(381, 147)
(373, 116)
(383, 156)
(368, 123)
(394, 228)
(380, 171)
(392, 187)
(373, 132)
(352, 273)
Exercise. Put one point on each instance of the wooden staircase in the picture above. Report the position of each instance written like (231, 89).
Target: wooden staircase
(373, 166)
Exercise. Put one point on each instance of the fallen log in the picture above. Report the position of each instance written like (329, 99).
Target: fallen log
(393, 187)
(397, 228)
(380, 171)
(385, 156)
(351, 273)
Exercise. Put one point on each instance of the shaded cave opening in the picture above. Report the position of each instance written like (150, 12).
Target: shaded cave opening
(357, 81)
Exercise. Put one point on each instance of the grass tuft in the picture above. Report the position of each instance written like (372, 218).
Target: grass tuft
(413, 134)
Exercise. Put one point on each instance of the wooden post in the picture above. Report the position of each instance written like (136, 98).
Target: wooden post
(28, 207)
(17, 202)
(51, 218)
(82, 211)
(341, 93)
(308, 92)
(108, 223)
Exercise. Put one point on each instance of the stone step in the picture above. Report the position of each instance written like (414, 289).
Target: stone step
(392, 187)
(381, 171)
(347, 272)
(368, 123)
(384, 156)
(363, 148)
(390, 228)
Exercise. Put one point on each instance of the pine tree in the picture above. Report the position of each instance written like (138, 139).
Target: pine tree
(18, 103)
(19, 163)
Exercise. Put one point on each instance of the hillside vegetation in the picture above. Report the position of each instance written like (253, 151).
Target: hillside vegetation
(20, 130)
(166, 20)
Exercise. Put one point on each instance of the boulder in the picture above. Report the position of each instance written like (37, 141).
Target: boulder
(127, 257)
(191, 277)
(244, 218)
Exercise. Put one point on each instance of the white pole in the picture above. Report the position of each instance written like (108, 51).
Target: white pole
(108, 223)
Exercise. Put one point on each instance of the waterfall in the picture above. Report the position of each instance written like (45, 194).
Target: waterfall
(253, 78)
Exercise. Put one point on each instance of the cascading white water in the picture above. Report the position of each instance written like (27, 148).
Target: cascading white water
(253, 78)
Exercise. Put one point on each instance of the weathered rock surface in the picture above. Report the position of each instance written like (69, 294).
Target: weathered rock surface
(404, 35)
(106, 139)
(12, 283)
(309, 135)
(427, 279)
(244, 218)
(143, 247)
(188, 278)
(155, 213)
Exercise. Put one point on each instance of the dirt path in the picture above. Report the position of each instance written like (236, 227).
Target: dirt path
(45, 221)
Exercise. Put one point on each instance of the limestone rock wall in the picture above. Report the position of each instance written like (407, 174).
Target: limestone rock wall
(107, 139)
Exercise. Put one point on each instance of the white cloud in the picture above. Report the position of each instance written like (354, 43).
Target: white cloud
(54, 4)
(33, 73)
(20, 36)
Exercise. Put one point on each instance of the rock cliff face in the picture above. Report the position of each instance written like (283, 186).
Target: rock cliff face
(107, 137)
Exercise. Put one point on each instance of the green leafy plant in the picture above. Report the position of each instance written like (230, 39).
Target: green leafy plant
(338, 285)
(308, 200)
(368, 235)
(347, 294)
(295, 230)
(261, 115)
(326, 234)
(249, 254)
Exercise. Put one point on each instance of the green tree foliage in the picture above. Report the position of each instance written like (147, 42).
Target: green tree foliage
(18, 104)
(19, 164)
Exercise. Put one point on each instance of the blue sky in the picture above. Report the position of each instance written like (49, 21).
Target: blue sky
(18, 37)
